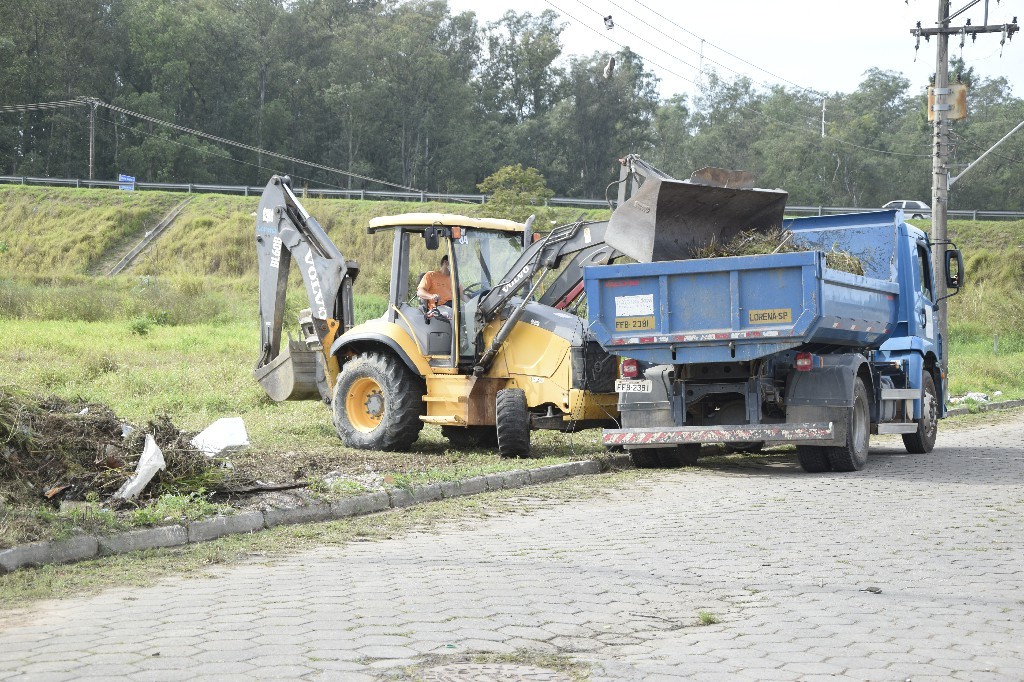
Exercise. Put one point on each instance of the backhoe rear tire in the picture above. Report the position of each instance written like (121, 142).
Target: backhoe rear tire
(470, 437)
(378, 403)
(513, 420)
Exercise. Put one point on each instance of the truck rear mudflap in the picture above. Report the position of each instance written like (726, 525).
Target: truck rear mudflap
(819, 432)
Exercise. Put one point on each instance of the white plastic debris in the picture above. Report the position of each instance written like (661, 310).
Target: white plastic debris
(976, 397)
(84, 410)
(152, 461)
(224, 435)
(127, 430)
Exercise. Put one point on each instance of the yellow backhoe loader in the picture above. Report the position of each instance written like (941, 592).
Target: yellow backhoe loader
(501, 360)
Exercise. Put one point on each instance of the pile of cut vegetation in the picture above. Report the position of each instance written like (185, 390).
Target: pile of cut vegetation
(754, 243)
(55, 449)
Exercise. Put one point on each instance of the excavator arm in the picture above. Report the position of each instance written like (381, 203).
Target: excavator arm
(566, 249)
(284, 232)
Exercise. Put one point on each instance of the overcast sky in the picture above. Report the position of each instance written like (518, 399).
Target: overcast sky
(822, 45)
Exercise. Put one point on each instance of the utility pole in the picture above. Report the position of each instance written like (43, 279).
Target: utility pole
(940, 145)
(92, 136)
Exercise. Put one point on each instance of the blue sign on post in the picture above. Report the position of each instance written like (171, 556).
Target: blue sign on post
(127, 182)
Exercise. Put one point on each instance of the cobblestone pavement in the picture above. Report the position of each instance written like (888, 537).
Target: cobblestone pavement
(911, 569)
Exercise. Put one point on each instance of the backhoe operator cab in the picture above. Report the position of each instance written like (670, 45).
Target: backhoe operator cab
(479, 252)
(501, 360)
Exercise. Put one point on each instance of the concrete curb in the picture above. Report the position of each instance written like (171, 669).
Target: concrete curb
(985, 407)
(85, 547)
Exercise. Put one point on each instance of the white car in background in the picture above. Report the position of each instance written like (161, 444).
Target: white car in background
(913, 209)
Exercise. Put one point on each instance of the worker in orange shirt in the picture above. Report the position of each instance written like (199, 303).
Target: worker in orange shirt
(436, 286)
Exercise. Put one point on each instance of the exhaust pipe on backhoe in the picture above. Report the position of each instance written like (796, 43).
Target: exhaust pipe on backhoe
(667, 219)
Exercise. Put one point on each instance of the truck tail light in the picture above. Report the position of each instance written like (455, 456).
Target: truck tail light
(629, 369)
(804, 362)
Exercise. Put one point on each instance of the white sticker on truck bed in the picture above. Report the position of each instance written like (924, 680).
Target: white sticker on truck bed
(634, 306)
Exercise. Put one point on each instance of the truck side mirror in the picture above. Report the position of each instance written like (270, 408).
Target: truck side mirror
(431, 238)
(954, 269)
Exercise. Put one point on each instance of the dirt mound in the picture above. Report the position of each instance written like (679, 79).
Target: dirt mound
(55, 449)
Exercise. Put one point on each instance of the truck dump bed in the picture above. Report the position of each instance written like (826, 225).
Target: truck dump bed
(743, 308)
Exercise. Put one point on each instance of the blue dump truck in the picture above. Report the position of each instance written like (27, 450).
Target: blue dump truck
(774, 348)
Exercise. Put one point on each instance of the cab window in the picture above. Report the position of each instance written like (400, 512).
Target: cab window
(924, 284)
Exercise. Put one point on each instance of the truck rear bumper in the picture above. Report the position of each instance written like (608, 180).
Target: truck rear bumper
(653, 437)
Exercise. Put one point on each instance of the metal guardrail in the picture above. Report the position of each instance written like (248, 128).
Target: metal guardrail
(248, 190)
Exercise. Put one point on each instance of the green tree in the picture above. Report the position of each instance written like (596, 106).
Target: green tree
(516, 193)
(518, 73)
(602, 119)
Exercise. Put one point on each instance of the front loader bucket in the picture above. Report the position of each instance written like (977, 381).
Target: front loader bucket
(668, 219)
(291, 375)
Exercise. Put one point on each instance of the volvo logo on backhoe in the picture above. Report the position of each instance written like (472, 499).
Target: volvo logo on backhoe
(517, 280)
(642, 207)
(314, 286)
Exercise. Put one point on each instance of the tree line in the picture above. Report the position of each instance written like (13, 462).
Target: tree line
(413, 94)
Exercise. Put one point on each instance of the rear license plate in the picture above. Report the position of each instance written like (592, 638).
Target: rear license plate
(633, 386)
(625, 324)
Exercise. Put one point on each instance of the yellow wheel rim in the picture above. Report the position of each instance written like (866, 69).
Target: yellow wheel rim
(364, 404)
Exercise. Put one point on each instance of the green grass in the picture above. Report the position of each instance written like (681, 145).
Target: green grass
(708, 618)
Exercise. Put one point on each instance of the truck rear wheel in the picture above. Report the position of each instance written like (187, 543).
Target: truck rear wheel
(854, 454)
(752, 448)
(377, 403)
(923, 440)
(679, 456)
(813, 459)
(645, 459)
(469, 437)
(513, 423)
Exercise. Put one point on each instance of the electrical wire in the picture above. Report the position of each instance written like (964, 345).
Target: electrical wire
(703, 57)
(248, 147)
(94, 102)
(707, 42)
(972, 145)
(40, 106)
(738, 106)
(207, 152)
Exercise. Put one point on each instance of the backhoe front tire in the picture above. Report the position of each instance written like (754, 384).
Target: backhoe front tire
(923, 440)
(513, 420)
(377, 403)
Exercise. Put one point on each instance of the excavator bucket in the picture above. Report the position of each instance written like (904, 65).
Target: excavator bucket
(667, 219)
(292, 375)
